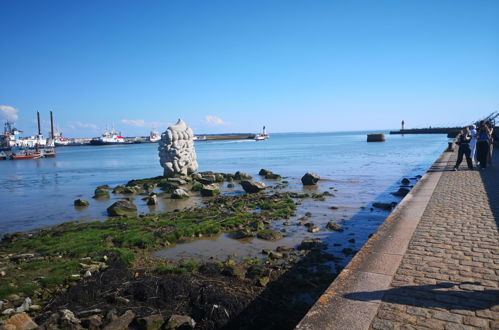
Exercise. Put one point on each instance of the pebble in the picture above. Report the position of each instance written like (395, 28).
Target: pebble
(8, 311)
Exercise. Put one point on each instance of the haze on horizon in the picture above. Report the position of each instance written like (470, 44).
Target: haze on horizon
(226, 66)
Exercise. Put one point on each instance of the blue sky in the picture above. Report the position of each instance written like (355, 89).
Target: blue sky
(234, 66)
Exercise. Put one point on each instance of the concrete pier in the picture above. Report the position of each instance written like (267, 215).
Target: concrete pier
(433, 264)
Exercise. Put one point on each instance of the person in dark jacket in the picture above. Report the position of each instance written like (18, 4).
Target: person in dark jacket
(483, 144)
(464, 149)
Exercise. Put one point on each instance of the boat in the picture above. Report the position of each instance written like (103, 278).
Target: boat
(3, 155)
(154, 136)
(108, 137)
(262, 137)
(14, 146)
(59, 140)
(25, 154)
(200, 138)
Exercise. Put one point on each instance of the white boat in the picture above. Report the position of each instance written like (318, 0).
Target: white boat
(200, 138)
(262, 137)
(59, 140)
(108, 137)
(154, 136)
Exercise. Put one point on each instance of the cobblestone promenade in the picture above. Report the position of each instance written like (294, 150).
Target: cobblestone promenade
(449, 276)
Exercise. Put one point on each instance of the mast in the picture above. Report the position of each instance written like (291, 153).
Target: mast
(38, 117)
(51, 125)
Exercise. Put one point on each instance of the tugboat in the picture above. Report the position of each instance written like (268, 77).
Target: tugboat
(108, 137)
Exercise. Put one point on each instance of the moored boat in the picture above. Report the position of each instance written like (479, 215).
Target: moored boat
(108, 137)
(154, 136)
(26, 155)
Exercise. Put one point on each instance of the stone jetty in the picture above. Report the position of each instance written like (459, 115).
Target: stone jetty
(433, 264)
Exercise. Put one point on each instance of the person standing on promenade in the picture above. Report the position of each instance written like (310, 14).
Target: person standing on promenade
(464, 149)
(473, 143)
(482, 145)
(491, 140)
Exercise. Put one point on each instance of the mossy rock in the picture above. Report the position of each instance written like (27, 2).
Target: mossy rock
(210, 190)
(81, 202)
(104, 186)
(272, 176)
(122, 208)
(242, 233)
(269, 235)
(264, 172)
(167, 187)
(197, 187)
(331, 225)
(118, 189)
(101, 194)
(242, 176)
(132, 190)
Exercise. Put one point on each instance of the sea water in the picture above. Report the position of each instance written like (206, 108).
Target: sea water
(40, 193)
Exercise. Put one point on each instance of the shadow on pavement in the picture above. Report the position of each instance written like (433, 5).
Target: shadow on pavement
(490, 179)
(446, 295)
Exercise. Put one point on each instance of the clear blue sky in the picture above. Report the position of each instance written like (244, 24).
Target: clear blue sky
(234, 66)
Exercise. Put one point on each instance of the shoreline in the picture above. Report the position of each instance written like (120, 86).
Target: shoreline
(373, 267)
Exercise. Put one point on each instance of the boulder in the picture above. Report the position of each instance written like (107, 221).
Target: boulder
(272, 176)
(312, 244)
(264, 172)
(179, 194)
(20, 321)
(132, 190)
(152, 200)
(269, 235)
(176, 150)
(121, 322)
(331, 225)
(242, 176)
(242, 233)
(93, 322)
(210, 190)
(24, 306)
(252, 186)
(384, 206)
(118, 189)
(122, 208)
(67, 320)
(151, 322)
(405, 181)
(101, 194)
(313, 229)
(177, 321)
(401, 192)
(310, 179)
(178, 181)
(81, 202)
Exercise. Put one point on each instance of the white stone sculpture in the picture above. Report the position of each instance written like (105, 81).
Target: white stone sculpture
(176, 150)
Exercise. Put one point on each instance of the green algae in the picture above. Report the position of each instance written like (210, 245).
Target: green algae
(56, 253)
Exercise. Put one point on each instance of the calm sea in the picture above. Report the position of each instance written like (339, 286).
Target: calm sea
(38, 193)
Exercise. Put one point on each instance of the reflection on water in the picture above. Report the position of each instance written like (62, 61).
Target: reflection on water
(37, 193)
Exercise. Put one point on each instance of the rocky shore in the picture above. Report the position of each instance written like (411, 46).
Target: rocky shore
(102, 275)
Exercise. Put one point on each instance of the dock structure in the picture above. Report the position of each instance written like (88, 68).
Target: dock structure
(433, 263)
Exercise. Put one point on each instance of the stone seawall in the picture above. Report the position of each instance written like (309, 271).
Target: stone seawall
(372, 269)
